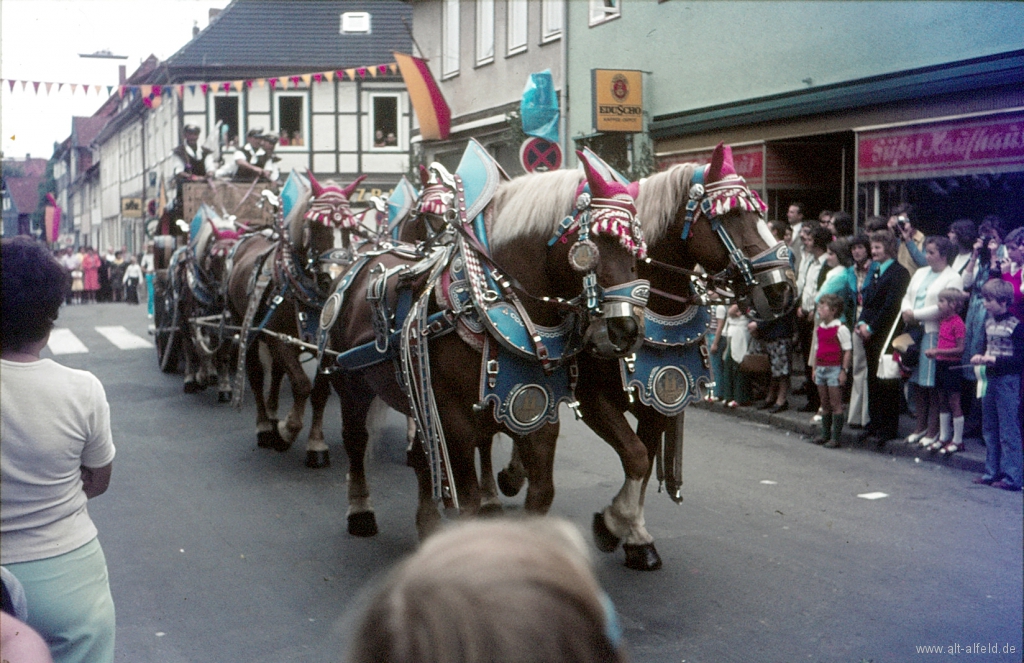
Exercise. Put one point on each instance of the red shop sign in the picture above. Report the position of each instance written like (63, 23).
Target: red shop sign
(944, 149)
(748, 160)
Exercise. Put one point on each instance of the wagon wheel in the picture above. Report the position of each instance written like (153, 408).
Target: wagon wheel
(168, 337)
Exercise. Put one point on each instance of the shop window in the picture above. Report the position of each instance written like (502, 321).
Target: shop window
(603, 10)
(517, 26)
(385, 121)
(484, 31)
(551, 20)
(291, 120)
(450, 38)
(225, 113)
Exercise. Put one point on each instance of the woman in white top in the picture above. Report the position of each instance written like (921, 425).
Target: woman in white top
(57, 454)
(921, 306)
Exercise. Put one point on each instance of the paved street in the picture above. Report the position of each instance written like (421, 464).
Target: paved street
(222, 552)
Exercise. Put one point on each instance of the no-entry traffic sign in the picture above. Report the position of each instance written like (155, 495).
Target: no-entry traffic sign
(538, 155)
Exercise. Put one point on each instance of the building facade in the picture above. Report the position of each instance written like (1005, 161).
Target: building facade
(482, 53)
(841, 105)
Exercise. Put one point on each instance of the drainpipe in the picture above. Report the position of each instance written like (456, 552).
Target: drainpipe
(563, 102)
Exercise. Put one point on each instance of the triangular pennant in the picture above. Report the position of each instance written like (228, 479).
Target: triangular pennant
(329, 75)
(191, 89)
(156, 101)
(362, 72)
(74, 87)
(146, 90)
(158, 90)
(248, 84)
(261, 81)
(35, 84)
(48, 86)
(295, 80)
(11, 83)
(372, 71)
(318, 77)
(306, 78)
(204, 87)
(226, 86)
(341, 75)
(351, 74)
(121, 89)
(283, 82)
(382, 69)
(181, 91)
(273, 83)
(393, 68)
(23, 84)
(59, 86)
(99, 88)
(238, 85)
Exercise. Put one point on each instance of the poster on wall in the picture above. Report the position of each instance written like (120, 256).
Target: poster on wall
(617, 99)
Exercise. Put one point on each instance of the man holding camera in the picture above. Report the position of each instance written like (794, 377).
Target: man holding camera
(910, 239)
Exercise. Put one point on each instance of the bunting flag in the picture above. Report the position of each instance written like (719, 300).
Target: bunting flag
(238, 85)
(329, 75)
(431, 109)
(306, 78)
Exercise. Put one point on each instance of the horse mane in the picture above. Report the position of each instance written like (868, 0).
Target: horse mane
(532, 205)
(661, 195)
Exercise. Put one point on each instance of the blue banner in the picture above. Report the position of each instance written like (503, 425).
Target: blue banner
(539, 107)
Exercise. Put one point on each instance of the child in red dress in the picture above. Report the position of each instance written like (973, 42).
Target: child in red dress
(946, 354)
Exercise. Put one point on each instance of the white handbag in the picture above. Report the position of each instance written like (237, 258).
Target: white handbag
(888, 369)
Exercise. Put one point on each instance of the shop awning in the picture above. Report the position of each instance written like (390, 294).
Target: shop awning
(748, 160)
(968, 146)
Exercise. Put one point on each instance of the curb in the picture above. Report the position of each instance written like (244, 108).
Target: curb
(971, 460)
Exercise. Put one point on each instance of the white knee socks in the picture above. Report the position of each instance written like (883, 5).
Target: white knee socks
(958, 430)
(944, 431)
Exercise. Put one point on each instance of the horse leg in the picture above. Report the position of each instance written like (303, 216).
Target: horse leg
(537, 451)
(276, 378)
(622, 520)
(356, 397)
(489, 502)
(224, 372)
(194, 382)
(267, 436)
(291, 426)
(512, 478)
(317, 453)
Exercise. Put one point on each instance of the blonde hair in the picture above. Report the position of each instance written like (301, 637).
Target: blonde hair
(954, 296)
(497, 590)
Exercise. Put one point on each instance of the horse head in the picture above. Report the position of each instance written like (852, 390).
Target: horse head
(708, 215)
(608, 250)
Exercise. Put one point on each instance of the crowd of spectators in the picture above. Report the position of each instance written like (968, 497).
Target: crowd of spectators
(111, 276)
(930, 303)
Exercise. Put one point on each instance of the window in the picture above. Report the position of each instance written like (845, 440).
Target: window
(484, 31)
(517, 26)
(291, 120)
(603, 10)
(450, 38)
(355, 22)
(385, 121)
(225, 110)
(551, 20)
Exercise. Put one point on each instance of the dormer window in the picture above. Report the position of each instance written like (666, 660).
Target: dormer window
(355, 23)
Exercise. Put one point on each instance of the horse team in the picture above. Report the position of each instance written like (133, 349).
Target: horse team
(479, 307)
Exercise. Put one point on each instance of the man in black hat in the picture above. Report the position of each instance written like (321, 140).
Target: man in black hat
(252, 161)
(189, 166)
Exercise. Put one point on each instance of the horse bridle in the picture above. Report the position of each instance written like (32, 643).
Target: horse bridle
(768, 269)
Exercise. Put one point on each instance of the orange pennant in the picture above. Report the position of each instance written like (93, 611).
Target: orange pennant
(261, 81)
(74, 87)
(329, 75)
(351, 73)
(99, 88)
(306, 78)
(48, 86)
(146, 90)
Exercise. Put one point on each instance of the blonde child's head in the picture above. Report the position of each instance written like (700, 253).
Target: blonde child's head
(953, 299)
(834, 305)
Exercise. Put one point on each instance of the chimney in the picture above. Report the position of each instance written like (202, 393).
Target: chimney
(122, 74)
(213, 14)
(195, 29)
(28, 156)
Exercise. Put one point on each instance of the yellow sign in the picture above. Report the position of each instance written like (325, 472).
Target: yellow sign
(131, 208)
(618, 99)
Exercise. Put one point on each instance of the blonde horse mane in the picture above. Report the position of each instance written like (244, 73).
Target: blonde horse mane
(532, 205)
(661, 195)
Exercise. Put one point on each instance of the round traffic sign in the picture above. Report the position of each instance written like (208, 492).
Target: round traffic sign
(538, 155)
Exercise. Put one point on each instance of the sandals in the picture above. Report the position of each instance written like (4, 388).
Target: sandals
(914, 437)
(951, 448)
(926, 442)
(937, 445)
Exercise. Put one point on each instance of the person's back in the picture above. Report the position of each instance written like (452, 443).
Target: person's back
(492, 591)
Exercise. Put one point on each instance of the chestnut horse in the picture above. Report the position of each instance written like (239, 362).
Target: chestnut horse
(277, 283)
(754, 271)
(530, 247)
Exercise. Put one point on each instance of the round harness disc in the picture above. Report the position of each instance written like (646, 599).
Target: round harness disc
(330, 311)
(670, 385)
(528, 404)
(584, 255)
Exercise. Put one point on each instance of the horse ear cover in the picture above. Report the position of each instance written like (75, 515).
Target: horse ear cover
(721, 163)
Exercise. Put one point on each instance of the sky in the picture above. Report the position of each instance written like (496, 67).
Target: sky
(40, 40)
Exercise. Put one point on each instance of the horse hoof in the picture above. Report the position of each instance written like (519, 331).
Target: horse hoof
(363, 523)
(317, 459)
(509, 487)
(641, 557)
(223, 396)
(270, 439)
(603, 537)
(193, 387)
(490, 510)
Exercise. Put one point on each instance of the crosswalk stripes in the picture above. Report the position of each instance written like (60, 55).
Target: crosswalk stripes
(63, 341)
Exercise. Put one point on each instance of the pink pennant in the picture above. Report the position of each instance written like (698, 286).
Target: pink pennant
(382, 68)
(318, 77)
(11, 83)
(35, 84)
(273, 83)
(248, 84)
(226, 86)
(204, 87)
(295, 80)
(362, 72)
(340, 74)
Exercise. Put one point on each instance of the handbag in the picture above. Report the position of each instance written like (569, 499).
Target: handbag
(755, 363)
(888, 367)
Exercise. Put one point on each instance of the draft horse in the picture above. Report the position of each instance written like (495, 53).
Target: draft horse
(691, 215)
(275, 290)
(523, 262)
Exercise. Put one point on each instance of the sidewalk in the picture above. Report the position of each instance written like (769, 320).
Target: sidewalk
(971, 459)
